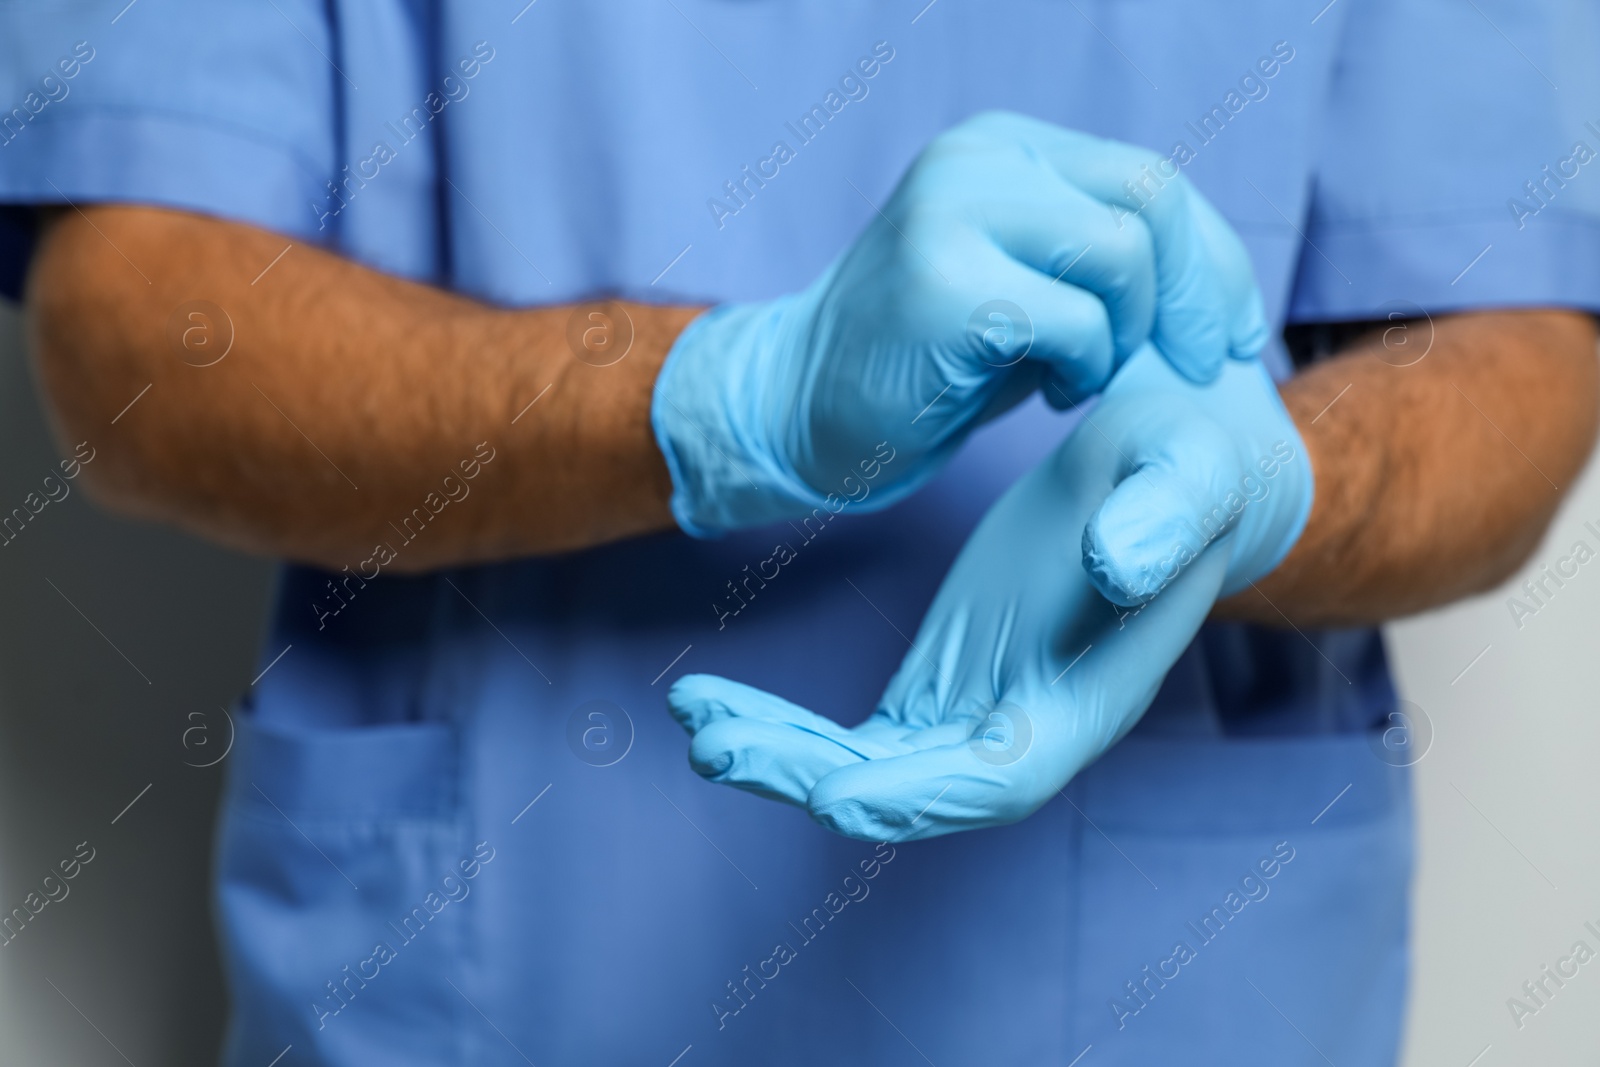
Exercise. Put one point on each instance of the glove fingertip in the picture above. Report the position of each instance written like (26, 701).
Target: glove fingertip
(848, 817)
(695, 698)
(1058, 392)
(1250, 348)
(846, 803)
(690, 685)
(1250, 336)
(1124, 586)
(709, 760)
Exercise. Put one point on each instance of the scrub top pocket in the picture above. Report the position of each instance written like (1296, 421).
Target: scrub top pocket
(344, 884)
(1241, 895)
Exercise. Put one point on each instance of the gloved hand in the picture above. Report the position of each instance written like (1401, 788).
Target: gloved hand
(1021, 673)
(997, 261)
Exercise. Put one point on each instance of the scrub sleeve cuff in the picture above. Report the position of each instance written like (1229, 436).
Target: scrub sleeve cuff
(188, 163)
(1369, 269)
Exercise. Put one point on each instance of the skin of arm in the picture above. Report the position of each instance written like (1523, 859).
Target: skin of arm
(346, 398)
(1434, 480)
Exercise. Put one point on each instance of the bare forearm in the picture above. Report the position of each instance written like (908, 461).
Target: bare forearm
(1435, 480)
(345, 401)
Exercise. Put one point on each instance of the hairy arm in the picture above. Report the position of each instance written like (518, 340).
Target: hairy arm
(348, 396)
(346, 399)
(1434, 480)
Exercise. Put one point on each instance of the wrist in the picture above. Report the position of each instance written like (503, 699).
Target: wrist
(1349, 462)
(708, 412)
(1278, 464)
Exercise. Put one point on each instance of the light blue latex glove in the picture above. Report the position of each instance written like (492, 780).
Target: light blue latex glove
(1021, 673)
(998, 260)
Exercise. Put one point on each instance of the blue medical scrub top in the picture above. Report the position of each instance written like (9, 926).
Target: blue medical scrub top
(460, 827)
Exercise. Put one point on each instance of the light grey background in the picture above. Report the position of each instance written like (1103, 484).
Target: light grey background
(1509, 800)
(118, 637)
(82, 732)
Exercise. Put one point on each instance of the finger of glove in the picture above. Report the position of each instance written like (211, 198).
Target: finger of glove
(1193, 318)
(776, 760)
(1059, 393)
(697, 700)
(1174, 502)
(1247, 323)
(1072, 239)
(1050, 734)
(933, 791)
(1061, 326)
(1109, 688)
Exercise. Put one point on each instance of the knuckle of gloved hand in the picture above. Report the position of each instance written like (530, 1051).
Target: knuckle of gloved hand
(936, 181)
(948, 158)
(1176, 182)
(1137, 160)
(928, 214)
(976, 156)
(938, 255)
(1167, 195)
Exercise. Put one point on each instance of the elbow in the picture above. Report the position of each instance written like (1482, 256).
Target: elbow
(1556, 444)
(77, 386)
(1522, 552)
(1520, 548)
(1502, 566)
(94, 335)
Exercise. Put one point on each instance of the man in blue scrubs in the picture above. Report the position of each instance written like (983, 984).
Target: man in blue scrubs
(384, 289)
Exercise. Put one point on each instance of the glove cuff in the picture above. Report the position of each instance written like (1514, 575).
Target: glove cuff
(1265, 535)
(706, 412)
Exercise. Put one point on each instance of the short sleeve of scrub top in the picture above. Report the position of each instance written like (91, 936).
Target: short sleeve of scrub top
(1494, 202)
(118, 101)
